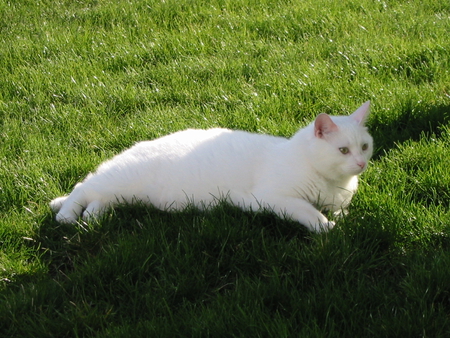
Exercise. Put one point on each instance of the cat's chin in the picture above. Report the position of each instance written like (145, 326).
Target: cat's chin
(354, 170)
(359, 172)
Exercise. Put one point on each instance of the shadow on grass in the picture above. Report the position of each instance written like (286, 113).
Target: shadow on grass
(65, 245)
(182, 273)
(140, 262)
(187, 270)
(413, 121)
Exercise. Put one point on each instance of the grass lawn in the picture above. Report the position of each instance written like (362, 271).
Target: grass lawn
(83, 80)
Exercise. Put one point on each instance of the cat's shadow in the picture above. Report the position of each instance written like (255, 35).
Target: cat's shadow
(64, 246)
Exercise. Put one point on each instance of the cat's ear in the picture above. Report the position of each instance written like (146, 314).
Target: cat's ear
(360, 115)
(323, 125)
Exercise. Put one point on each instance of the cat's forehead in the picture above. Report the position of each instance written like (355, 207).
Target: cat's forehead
(351, 132)
(342, 120)
(347, 121)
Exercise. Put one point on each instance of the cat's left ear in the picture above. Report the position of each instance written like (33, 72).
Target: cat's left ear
(360, 115)
(324, 125)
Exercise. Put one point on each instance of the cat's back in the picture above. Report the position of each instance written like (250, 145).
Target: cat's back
(204, 142)
(198, 163)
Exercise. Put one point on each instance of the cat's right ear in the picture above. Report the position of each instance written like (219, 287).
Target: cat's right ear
(323, 125)
(360, 115)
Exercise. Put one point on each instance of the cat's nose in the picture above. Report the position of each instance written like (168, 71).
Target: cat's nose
(361, 164)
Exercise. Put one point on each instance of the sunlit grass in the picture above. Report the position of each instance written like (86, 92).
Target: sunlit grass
(83, 80)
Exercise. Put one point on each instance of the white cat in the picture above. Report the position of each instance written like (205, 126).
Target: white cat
(314, 170)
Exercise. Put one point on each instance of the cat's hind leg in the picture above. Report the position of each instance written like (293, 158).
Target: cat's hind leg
(70, 207)
(94, 210)
(69, 212)
(57, 203)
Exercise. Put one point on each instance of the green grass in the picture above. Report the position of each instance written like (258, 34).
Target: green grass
(83, 80)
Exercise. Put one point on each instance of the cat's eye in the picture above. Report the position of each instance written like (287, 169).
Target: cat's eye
(365, 146)
(344, 150)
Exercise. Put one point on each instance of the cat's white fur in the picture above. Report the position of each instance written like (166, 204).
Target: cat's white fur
(296, 177)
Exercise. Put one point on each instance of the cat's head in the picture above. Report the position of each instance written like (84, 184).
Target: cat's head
(342, 144)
